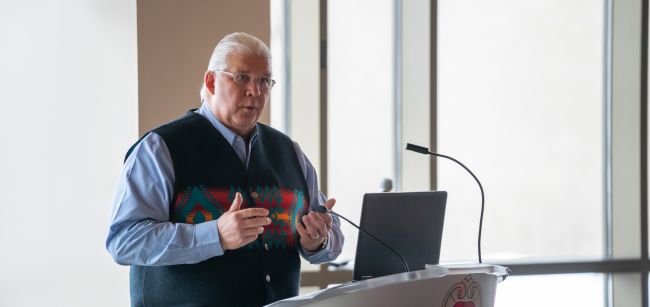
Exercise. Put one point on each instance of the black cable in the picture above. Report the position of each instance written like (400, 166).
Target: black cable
(320, 210)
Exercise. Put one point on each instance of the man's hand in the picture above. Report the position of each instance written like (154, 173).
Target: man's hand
(316, 229)
(240, 227)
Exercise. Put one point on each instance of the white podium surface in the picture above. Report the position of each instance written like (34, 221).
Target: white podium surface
(452, 285)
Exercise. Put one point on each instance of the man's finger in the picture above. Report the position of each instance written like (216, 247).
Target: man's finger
(253, 212)
(312, 230)
(256, 222)
(317, 217)
(236, 203)
(329, 204)
(325, 218)
(252, 231)
(301, 229)
(320, 224)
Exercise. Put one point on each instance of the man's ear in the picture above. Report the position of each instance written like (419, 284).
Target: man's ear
(208, 79)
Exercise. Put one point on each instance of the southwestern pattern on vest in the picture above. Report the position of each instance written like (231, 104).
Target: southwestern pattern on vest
(199, 204)
(207, 174)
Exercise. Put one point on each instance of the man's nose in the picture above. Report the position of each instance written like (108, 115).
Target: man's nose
(253, 89)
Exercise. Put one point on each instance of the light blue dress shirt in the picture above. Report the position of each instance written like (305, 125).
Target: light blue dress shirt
(140, 231)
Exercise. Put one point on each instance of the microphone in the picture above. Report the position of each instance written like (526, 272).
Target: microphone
(323, 209)
(424, 150)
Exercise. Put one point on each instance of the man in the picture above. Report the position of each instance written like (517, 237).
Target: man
(213, 209)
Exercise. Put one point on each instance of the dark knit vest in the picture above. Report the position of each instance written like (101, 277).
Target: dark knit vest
(208, 173)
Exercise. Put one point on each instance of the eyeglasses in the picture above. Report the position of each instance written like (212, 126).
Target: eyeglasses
(263, 83)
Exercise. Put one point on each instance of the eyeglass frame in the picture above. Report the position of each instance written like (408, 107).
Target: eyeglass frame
(234, 76)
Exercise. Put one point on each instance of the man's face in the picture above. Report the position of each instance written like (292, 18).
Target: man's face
(239, 106)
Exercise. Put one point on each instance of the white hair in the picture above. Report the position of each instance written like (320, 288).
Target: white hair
(235, 43)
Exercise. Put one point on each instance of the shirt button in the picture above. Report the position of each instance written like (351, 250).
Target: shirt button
(254, 195)
(268, 278)
(266, 246)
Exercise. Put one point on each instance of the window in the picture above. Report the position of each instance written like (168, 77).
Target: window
(541, 100)
(360, 104)
(521, 103)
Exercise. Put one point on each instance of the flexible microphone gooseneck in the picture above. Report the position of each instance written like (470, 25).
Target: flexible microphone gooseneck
(323, 209)
(424, 150)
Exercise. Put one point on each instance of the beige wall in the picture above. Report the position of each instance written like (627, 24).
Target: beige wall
(175, 41)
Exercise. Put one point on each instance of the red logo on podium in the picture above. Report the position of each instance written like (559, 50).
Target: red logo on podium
(466, 293)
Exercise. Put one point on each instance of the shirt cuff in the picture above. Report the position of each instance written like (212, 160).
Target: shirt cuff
(207, 235)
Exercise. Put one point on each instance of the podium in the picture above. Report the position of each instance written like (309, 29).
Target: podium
(452, 285)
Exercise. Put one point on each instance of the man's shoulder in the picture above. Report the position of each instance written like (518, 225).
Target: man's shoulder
(188, 120)
(149, 139)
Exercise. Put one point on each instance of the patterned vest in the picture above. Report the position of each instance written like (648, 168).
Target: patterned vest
(208, 173)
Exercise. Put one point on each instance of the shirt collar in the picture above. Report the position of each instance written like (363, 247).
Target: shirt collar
(228, 134)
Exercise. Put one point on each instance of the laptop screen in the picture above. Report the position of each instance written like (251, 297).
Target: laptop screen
(411, 223)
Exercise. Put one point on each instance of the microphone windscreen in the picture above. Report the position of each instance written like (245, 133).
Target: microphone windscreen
(416, 148)
(386, 185)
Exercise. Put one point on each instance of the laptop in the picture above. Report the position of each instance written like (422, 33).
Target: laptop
(409, 222)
